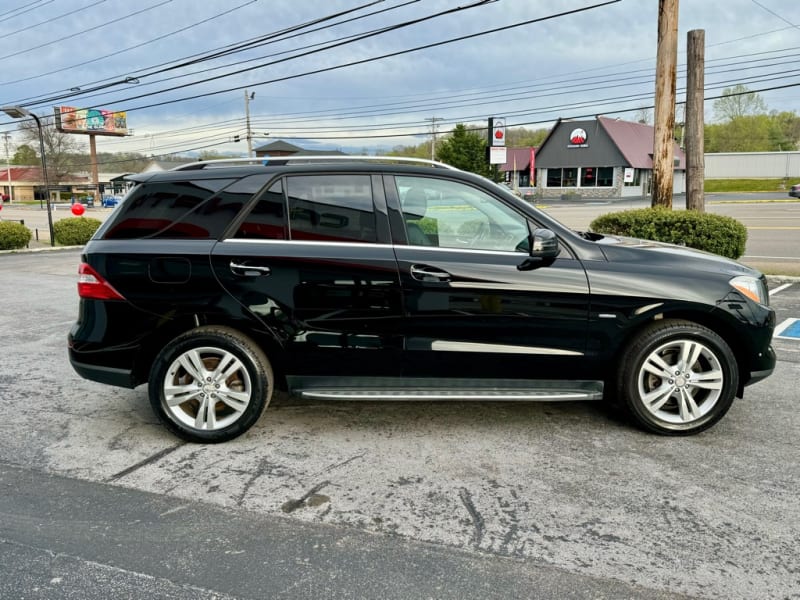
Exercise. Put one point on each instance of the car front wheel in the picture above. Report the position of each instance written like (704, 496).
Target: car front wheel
(677, 378)
(210, 384)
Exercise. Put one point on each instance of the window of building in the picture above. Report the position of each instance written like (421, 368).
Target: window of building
(605, 177)
(585, 176)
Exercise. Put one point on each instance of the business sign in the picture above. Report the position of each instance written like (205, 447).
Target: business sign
(93, 121)
(498, 131)
(578, 138)
(627, 175)
(497, 155)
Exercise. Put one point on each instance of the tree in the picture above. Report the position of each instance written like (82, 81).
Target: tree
(212, 155)
(786, 130)
(742, 134)
(25, 155)
(519, 137)
(465, 150)
(738, 101)
(59, 148)
(422, 150)
(644, 116)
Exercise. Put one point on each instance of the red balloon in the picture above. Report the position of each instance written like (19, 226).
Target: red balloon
(78, 209)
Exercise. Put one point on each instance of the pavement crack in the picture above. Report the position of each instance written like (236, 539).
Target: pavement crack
(143, 463)
(343, 463)
(477, 519)
(293, 505)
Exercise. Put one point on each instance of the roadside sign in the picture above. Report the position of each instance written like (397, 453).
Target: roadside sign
(497, 155)
(499, 132)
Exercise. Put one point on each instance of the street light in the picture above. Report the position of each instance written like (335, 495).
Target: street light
(17, 112)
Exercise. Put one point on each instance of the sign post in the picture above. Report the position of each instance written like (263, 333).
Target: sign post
(497, 141)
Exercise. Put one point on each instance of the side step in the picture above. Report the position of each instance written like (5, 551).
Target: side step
(325, 388)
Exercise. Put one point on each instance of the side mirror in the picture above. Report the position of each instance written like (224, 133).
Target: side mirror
(543, 251)
(544, 244)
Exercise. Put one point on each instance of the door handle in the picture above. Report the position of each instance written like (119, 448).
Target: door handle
(425, 273)
(249, 270)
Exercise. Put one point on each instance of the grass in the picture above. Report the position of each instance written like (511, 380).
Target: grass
(747, 185)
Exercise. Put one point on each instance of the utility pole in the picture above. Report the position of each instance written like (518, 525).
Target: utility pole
(247, 98)
(6, 135)
(666, 65)
(433, 135)
(695, 143)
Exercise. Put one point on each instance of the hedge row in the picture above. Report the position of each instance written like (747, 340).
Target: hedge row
(13, 235)
(75, 231)
(713, 233)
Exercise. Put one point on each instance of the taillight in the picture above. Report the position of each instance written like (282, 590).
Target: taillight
(92, 285)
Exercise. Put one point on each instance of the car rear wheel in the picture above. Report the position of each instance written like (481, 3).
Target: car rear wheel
(677, 378)
(210, 384)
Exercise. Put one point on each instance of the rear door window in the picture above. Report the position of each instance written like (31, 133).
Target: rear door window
(331, 208)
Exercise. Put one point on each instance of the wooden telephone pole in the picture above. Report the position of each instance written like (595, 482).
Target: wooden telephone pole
(666, 66)
(695, 82)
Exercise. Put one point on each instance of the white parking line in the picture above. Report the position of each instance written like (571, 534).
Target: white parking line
(780, 288)
(789, 325)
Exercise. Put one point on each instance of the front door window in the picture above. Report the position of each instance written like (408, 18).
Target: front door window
(449, 214)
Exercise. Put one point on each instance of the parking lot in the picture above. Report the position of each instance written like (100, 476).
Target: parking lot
(568, 488)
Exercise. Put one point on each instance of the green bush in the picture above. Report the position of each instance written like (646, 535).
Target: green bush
(713, 233)
(13, 235)
(75, 231)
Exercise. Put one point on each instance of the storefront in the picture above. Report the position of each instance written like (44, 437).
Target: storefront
(600, 158)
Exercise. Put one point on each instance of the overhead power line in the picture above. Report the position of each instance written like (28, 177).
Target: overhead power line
(362, 61)
(77, 33)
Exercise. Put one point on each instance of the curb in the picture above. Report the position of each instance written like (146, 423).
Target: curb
(42, 249)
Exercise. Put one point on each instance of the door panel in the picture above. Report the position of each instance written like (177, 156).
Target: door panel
(470, 312)
(477, 315)
(335, 310)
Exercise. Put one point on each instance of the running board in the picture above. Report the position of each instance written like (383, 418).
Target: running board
(324, 388)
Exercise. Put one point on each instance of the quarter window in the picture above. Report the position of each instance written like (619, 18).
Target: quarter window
(168, 210)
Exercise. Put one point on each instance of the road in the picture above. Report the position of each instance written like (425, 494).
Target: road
(403, 500)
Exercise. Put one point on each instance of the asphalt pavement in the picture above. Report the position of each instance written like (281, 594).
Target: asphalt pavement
(370, 500)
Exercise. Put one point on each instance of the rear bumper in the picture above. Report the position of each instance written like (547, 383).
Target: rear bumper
(108, 375)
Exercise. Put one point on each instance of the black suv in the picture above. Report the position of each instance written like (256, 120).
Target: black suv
(394, 280)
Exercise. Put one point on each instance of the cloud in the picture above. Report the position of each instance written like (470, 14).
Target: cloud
(555, 66)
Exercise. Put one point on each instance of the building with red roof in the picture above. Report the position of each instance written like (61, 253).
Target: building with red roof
(601, 158)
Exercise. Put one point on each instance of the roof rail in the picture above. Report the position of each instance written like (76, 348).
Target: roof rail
(304, 159)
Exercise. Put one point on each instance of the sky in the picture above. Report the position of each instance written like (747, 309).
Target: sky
(367, 75)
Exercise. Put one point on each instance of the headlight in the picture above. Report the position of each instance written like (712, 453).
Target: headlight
(751, 287)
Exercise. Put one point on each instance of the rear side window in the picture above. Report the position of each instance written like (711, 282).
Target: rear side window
(331, 208)
(177, 210)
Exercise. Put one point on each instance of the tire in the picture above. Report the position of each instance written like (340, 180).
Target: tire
(677, 378)
(193, 399)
